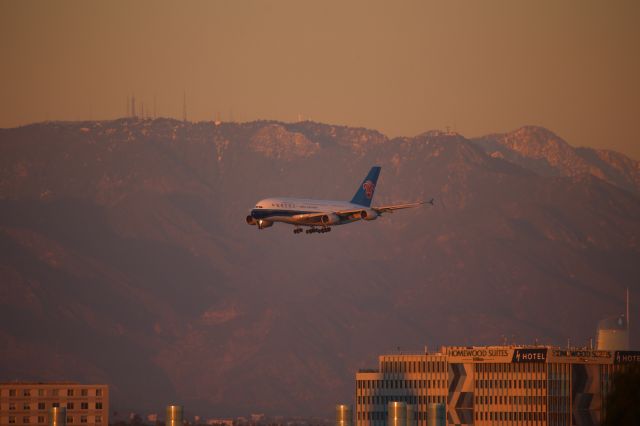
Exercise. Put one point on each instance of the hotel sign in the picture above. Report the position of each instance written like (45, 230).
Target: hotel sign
(497, 354)
(627, 357)
(530, 355)
(478, 354)
(583, 356)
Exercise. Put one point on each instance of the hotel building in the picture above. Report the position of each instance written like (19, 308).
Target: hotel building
(492, 385)
(24, 403)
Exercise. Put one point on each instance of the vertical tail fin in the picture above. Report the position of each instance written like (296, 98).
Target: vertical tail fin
(365, 191)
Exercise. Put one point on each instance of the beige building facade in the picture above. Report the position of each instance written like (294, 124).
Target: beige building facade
(23, 403)
(492, 385)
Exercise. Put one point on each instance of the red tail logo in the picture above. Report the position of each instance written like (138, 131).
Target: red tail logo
(368, 187)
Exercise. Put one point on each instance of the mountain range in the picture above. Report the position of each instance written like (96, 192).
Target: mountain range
(126, 258)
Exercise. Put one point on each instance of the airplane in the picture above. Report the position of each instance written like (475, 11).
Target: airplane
(320, 215)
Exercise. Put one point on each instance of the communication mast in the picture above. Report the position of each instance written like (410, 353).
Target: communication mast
(628, 332)
(184, 106)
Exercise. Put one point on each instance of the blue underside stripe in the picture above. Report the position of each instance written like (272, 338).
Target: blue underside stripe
(266, 213)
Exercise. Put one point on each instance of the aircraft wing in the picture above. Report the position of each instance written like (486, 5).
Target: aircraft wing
(316, 218)
(309, 219)
(390, 209)
(383, 209)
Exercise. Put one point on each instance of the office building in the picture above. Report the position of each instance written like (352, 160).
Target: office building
(23, 403)
(491, 385)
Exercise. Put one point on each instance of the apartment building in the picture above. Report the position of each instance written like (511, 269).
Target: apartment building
(25, 403)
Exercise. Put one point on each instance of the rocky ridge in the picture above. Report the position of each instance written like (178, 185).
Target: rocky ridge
(543, 152)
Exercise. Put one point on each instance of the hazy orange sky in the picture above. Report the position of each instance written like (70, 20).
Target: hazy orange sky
(399, 67)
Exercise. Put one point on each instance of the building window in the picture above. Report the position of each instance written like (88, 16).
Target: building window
(84, 392)
(98, 419)
(26, 419)
(98, 392)
(84, 405)
(12, 419)
(40, 392)
(41, 406)
(26, 406)
(69, 405)
(26, 392)
(69, 392)
(12, 406)
(83, 419)
(12, 392)
(98, 405)
(40, 419)
(69, 419)
(55, 392)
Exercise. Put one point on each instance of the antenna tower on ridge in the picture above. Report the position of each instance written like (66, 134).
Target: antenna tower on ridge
(184, 106)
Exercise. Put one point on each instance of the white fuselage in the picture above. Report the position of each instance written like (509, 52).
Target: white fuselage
(296, 210)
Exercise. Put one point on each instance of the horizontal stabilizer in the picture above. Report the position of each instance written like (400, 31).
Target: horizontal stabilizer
(385, 209)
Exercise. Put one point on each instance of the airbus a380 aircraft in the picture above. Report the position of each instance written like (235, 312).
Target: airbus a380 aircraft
(320, 215)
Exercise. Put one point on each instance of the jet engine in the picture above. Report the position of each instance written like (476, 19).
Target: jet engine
(251, 220)
(330, 219)
(264, 223)
(368, 214)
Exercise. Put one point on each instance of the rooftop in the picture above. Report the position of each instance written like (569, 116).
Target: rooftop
(24, 383)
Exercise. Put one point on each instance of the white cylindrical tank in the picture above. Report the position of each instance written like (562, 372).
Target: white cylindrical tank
(174, 415)
(436, 415)
(58, 416)
(613, 334)
(343, 415)
(397, 414)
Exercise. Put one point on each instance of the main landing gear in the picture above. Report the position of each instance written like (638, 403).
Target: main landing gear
(313, 230)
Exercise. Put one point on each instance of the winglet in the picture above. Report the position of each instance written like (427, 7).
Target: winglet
(365, 191)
